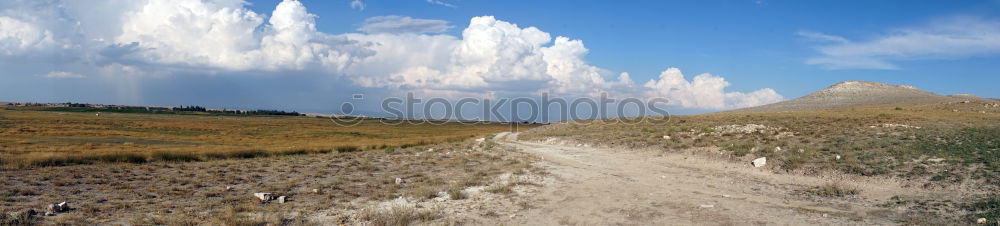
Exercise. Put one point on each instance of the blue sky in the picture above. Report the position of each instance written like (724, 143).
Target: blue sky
(754, 52)
(752, 44)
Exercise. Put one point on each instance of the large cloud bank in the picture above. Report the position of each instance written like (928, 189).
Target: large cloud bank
(395, 53)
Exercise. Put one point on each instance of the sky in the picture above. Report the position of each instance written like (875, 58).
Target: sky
(313, 55)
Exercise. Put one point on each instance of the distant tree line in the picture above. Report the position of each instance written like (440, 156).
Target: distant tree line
(81, 107)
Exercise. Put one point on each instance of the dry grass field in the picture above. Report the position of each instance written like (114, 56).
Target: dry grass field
(149, 169)
(44, 138)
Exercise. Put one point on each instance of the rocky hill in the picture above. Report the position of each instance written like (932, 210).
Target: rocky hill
(862, 93)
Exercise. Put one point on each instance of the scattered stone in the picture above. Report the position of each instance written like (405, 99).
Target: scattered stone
(838, 157)
(399, 180)
(759, 162)
(315, 190)
(282, 199)
(983, 112)
(801, 150)
(777, 149)
(263, 196)
(430, 149)
(706, 206)
(745, 129)
(935, 160)
(480, 140)
(56, 208)
(893, 125)
(666, 137)
(229, 188)
(981, 221)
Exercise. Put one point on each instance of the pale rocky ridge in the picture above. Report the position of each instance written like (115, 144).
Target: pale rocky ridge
(863, 93)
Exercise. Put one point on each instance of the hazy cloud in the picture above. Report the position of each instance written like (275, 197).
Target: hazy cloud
(403, 24)
(820, 37)
(441, 3)
(953, 38)
(357, 4)
(62, 74)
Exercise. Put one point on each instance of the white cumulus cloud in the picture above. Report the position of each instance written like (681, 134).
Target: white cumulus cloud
(157, 38)
(224, 34)
(705, 91)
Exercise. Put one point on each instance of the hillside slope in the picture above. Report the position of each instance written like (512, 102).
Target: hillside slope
(862, 93)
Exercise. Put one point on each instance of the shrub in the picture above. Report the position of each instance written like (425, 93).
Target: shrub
(174, 156)
(346, 148)
(833, 190)
(398, 214)
(456, 194)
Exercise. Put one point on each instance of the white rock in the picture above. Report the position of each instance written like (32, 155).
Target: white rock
(706, 206)
(838, 157)
(315, 190)
(264, 196)
(399, 180)
(759, 162)
(481, 140)
(229, 188)
(935, 160)
(981, 221)
(777, 149)
(666, 137)
(282, 199)
(57, 208)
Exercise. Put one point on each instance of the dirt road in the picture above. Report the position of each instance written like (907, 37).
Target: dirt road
(594, 186)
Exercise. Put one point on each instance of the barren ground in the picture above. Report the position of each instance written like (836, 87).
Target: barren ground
(599, 186)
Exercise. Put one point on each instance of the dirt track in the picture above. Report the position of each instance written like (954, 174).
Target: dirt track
(594, 186)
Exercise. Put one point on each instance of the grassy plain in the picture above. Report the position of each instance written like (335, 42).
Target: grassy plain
(30, 138)
(171, 169)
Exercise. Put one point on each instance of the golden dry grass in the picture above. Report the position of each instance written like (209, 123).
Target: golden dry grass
(43, 138)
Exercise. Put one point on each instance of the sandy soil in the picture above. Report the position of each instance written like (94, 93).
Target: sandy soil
(595, 186)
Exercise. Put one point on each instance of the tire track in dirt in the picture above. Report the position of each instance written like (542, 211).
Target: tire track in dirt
(595, 186)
